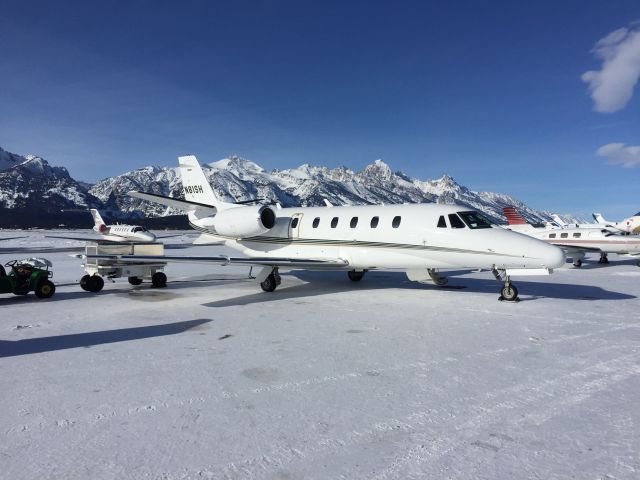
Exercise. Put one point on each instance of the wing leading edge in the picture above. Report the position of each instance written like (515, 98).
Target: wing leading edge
(225, 260)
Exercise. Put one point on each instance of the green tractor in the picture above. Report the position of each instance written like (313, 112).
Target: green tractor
(28, 275)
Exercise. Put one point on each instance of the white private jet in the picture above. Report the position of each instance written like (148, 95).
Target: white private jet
(576, 241)
(419, 239)
(629, 225)
(115, 233)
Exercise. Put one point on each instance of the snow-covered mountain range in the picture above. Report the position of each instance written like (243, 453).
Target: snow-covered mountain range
(30, 182)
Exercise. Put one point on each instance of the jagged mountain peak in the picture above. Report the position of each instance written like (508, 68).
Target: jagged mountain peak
(236, 178)
(237, 164)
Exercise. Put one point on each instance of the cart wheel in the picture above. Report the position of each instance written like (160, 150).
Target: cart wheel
(158, 280)
(135, 280)
(94, 283)
(84, 283)
(45, 289)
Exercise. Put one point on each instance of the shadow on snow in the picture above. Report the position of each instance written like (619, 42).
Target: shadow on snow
(322, 283)
(63, 342)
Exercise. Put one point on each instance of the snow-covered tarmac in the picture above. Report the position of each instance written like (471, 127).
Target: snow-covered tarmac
(324, 378)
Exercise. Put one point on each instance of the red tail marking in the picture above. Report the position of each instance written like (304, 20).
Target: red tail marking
(513, 217)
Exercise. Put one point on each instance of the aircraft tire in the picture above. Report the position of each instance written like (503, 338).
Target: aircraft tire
(355, 276)
(509, 293)
(577, 263)
(269, 284)
(45, 289)
(134, 280)
(158, 280)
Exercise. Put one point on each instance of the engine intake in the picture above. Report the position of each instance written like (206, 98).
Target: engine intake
(244, 222)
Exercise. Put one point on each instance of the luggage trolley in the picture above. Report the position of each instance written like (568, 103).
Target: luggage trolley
(136, 272)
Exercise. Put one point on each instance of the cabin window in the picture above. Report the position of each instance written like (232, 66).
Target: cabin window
(474, 220)
(577, 235)
(374, 222)
(564, 235)
(552, 235)
(316, 222)
(441, 222)
(334, 222)
(455, 221)
(294, 223)
(396, 221)
(354, 222)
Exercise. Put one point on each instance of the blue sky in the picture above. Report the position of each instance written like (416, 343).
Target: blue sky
(488, 92)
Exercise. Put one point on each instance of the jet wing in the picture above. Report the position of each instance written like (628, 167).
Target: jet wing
(10, 238)
(183, 205)
(224, 260)
(573, 248)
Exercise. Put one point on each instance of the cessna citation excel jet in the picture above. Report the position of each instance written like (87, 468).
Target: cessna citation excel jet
(579, 240)
(419, 239)
(116, 233)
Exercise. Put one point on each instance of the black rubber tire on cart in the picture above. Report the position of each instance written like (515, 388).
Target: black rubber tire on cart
(45, 289)
(92, 283)
(158, 280)
(84, 283)
(509, 292)
(134, 280)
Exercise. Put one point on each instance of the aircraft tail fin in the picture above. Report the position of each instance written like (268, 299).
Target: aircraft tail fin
(98, 222)
(558, 220)
(513, 216)
(195, 185)
(599, 219)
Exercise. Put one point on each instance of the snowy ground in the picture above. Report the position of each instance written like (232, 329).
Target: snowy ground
(324, 378)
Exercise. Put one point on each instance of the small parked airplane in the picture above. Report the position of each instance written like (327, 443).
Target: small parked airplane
(115, 233)
(629, 225)
(419, 239)
(576, 241)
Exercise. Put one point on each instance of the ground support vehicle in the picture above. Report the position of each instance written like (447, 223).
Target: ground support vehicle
(27, 275)
(96, 269)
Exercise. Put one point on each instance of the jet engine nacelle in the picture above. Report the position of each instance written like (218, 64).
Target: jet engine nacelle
(244, 222)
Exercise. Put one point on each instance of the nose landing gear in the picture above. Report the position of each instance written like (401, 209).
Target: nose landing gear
(509, 292)
(603, 258)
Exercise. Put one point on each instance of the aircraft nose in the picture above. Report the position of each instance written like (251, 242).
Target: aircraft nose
(552, 256)
(149, 237)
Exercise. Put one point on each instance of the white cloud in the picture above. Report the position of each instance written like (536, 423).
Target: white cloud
(612, 87)
(619, 154)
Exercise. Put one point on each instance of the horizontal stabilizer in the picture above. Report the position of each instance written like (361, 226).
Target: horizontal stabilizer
(184, 205)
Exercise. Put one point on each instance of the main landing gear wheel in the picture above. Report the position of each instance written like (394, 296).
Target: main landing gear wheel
(272, 281)
(355, 275)
(603, 258)
(509, 293)
(577, 263)
(92, 283)
(45, 289)
(134, 280)
(158, 280)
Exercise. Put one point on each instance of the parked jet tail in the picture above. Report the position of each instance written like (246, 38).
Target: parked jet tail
(98, 222)
(195, 185)
(513, 217)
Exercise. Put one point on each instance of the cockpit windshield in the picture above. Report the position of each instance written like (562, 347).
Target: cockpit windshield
(139, 229)
(474, 220)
